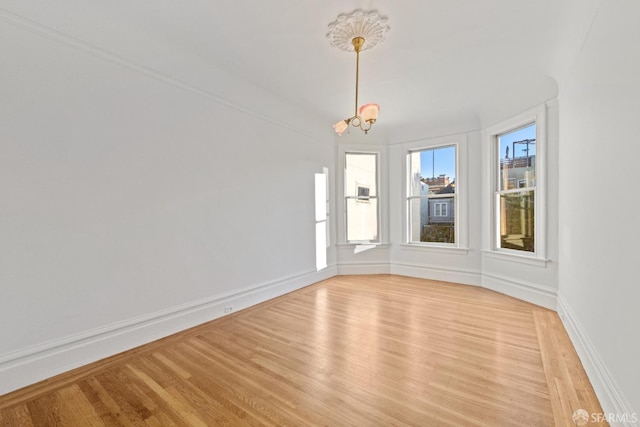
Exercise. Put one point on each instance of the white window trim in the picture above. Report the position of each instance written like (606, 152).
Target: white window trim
(539, 117)
(461, 205)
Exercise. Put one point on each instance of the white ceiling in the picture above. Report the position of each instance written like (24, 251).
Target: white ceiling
(466, 61)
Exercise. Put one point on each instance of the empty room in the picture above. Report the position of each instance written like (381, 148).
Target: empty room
(361, 213)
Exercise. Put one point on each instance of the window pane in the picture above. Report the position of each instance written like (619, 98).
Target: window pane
(439, 227)
(432, 171)
(418, 216)
(362, 220)
(321, 245)
(360, 175)
(517, 158)
(321, 196)
(517, 215)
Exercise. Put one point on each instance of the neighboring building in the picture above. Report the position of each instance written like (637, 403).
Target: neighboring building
(437, 220)
(518, 172)
(442, 210)
(436, 184)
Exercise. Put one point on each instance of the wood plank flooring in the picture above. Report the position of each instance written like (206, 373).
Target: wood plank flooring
(374, 350)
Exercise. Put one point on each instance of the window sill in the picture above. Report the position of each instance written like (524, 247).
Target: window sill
(433, 248)
(352, 245)
(522, 259)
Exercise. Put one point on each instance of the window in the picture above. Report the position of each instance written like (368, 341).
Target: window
(440, 209)
(431, 195)
(322, 217)
(515, 197)
(361, 197)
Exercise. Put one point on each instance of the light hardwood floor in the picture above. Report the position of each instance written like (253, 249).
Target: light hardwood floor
(373, 350)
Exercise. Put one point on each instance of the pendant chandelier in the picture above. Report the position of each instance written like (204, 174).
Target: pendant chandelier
(356, 32)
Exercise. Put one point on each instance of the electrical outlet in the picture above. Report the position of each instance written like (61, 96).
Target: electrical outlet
(228, 309)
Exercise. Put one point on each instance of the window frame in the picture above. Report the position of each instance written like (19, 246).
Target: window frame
(322, 218)
(458, 232)
(538, 117)
(361, 199)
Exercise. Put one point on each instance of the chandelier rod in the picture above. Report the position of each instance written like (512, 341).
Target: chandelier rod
(357, 46)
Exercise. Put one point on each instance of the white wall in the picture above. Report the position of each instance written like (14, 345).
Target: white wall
(134, 205)
(599, 257)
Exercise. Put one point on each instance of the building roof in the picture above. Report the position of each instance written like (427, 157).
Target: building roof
(449, 189)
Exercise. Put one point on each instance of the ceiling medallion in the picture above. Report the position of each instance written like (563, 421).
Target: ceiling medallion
(369, 25)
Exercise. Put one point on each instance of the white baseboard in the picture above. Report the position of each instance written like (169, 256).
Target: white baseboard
(465, 277)
(610, 397)
(358, 268)
(30, 365)
(529, 292)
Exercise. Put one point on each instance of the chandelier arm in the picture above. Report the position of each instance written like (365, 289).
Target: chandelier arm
(365, 130)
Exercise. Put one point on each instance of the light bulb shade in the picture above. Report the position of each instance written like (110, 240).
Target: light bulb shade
(369, 112)
(341, 126)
